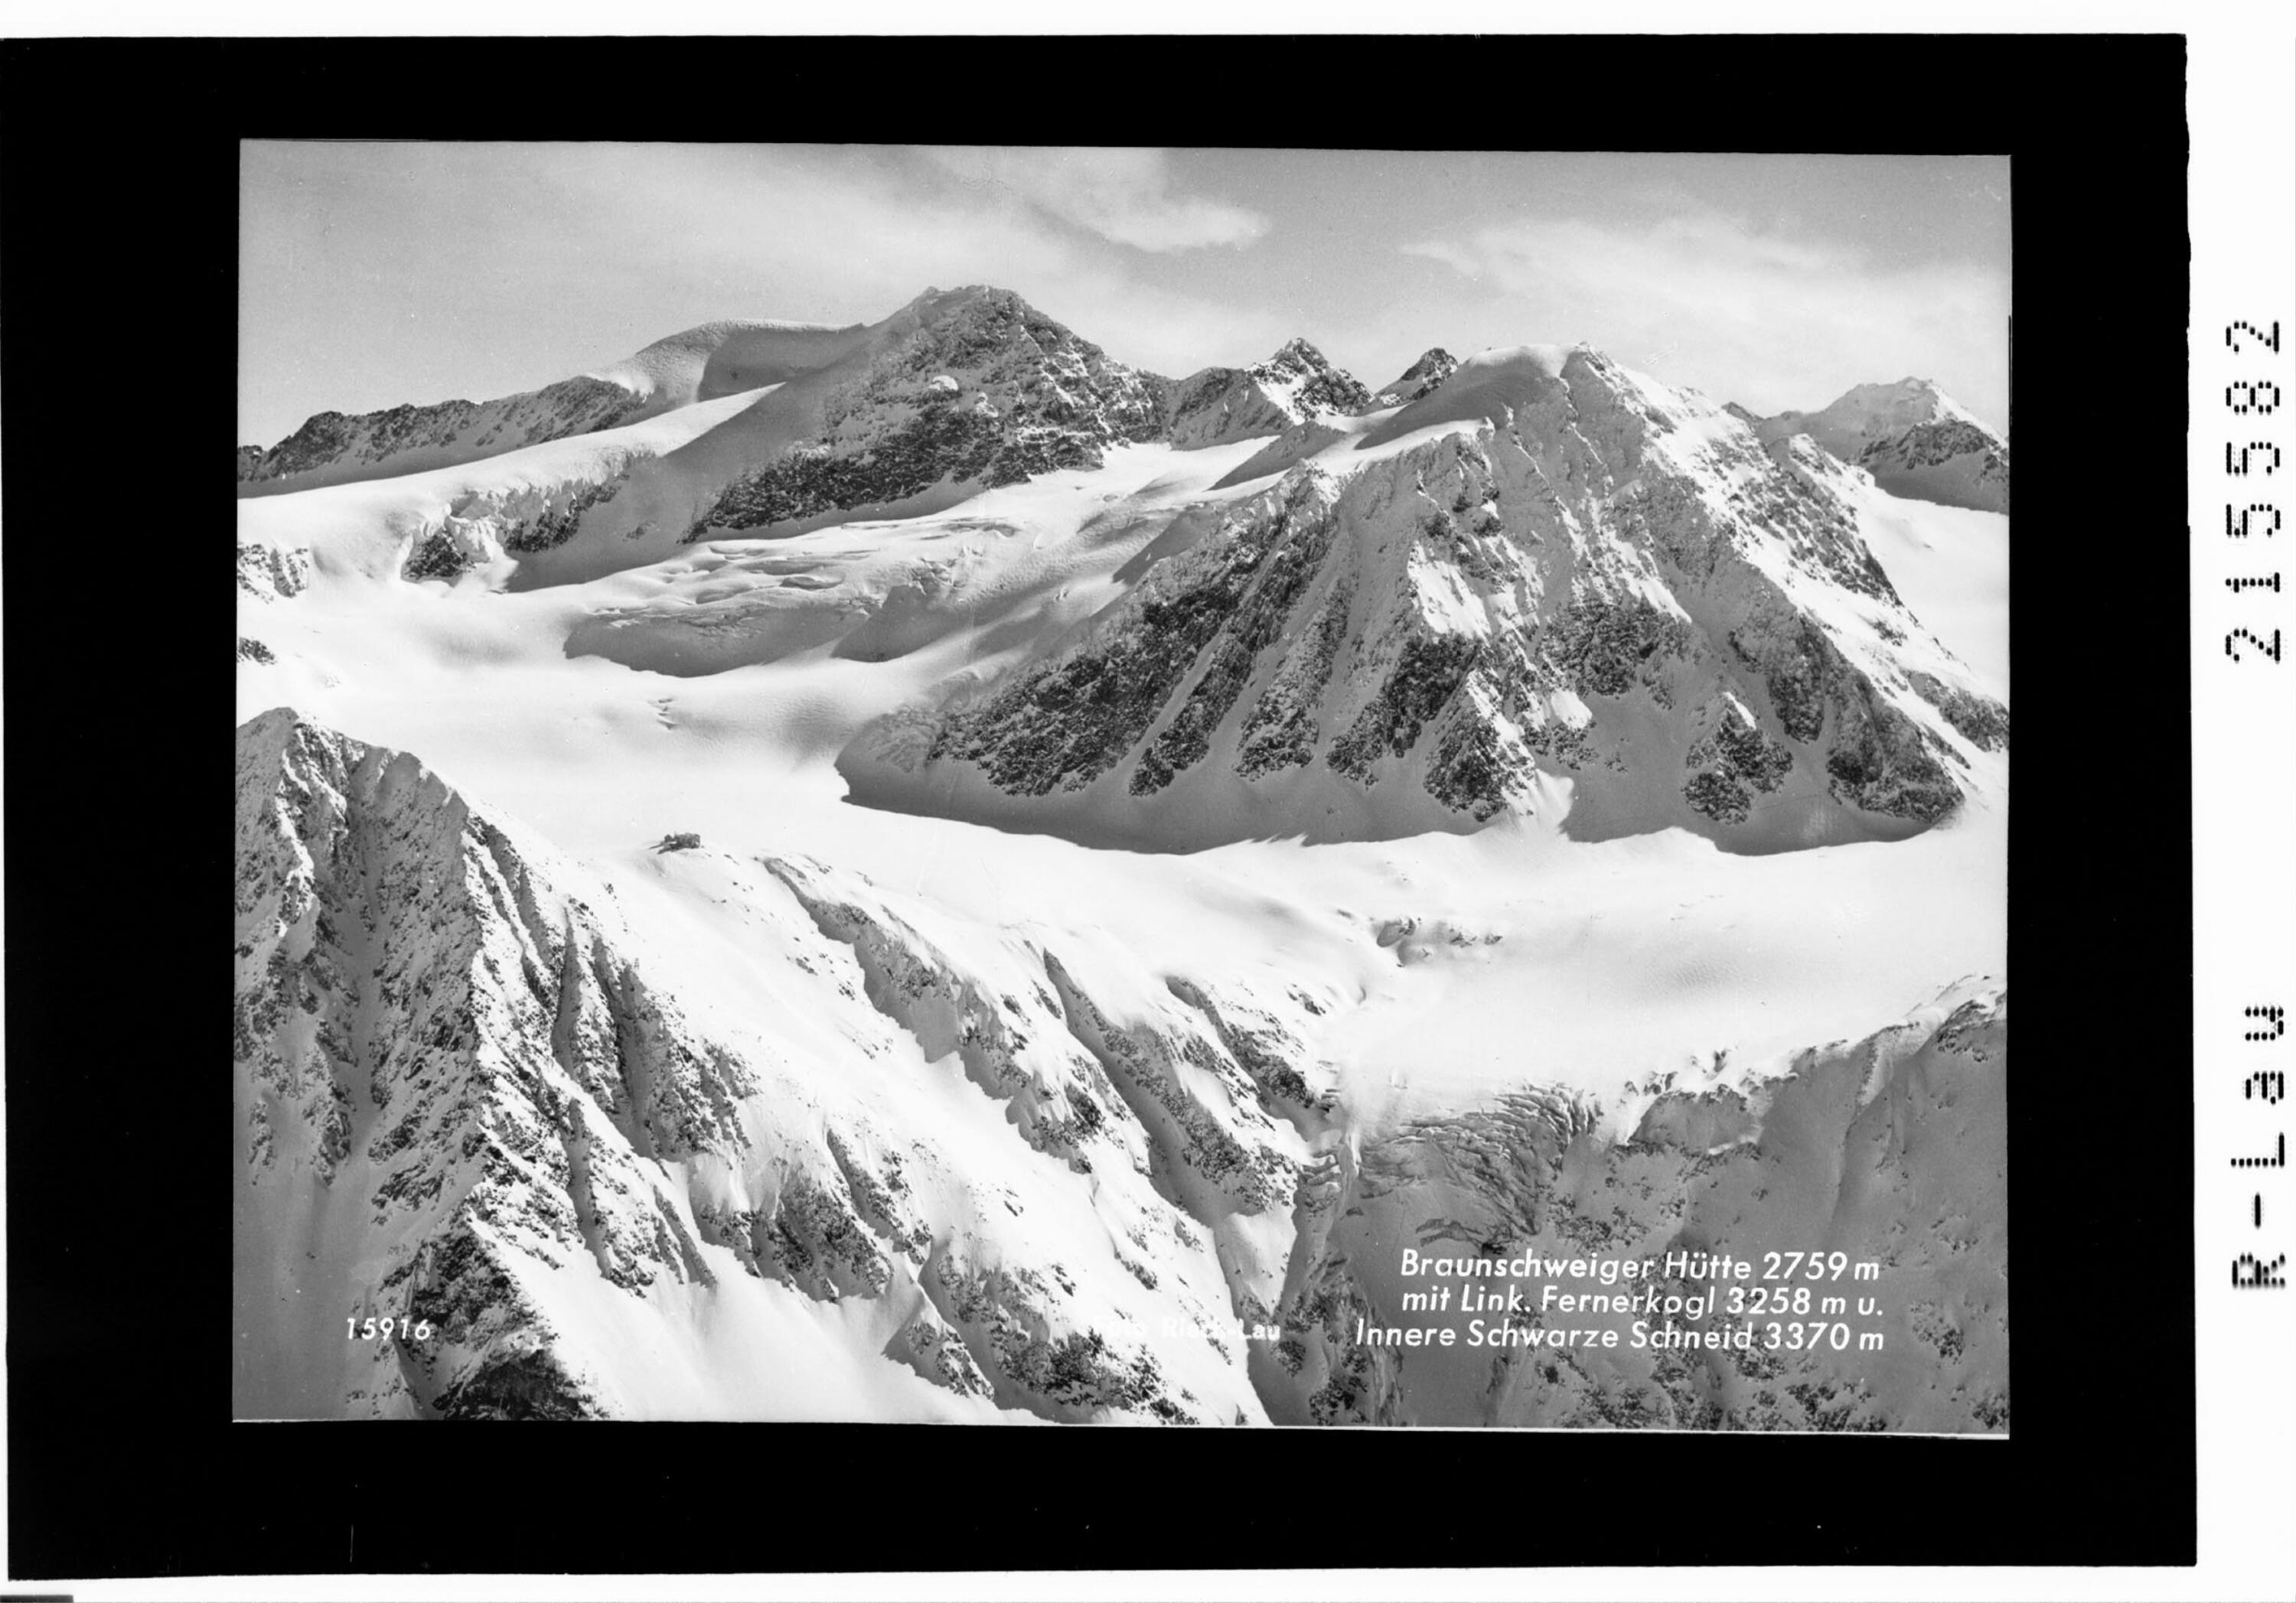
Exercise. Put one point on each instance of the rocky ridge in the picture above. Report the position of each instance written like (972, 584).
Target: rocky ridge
(1605, 580)
(1890, 1151)
(403, 438)
(1297, 385)
(1915, 440)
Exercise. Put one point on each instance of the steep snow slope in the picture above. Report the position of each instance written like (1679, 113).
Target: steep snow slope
(1917, 441)
(1551, 588)
(1418, 380)
(709, 1135)
(701, 363)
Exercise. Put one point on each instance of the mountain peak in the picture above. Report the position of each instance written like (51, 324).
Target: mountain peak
(1916, 440)
(1434, 366)
(1482, 622)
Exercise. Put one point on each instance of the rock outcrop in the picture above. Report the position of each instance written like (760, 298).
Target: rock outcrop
(1297, 385)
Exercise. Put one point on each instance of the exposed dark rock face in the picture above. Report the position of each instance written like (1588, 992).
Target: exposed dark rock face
(1015, 1050)
(1283, 728)
(1429, 673)
(1297, 385)
(986, 391)
(1320, 386)
(1444, 625)
(484, 526)
(1221, 1145)
(439, 555)
(553, 523)
(254, 651)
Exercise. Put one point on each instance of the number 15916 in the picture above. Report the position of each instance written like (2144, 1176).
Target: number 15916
(386, 1329)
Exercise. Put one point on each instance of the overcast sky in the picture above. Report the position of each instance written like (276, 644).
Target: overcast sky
(376, 273)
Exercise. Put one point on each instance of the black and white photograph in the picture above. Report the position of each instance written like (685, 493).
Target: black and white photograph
(1165, 786)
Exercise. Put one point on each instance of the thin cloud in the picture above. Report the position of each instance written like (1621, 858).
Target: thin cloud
(1129, 197)
(1764, 316)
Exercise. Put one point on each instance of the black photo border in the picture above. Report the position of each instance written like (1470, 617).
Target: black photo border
(117, 303)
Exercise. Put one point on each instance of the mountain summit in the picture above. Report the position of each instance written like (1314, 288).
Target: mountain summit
(1297, 385)
(1917, 441)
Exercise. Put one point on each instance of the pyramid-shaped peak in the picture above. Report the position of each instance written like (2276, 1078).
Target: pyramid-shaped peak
(1301, 352)
(1434, 366)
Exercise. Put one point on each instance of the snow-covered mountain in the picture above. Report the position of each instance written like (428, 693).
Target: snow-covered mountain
(1295, 386)
(1917, 441)
(1555, 797)
(1549, 587)
(1418, 379)
(617, 1165)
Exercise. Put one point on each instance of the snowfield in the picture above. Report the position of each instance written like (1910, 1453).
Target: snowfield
(910, 1091)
